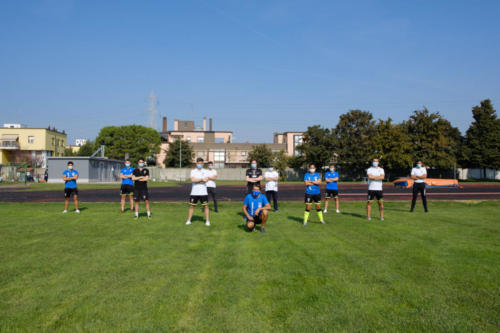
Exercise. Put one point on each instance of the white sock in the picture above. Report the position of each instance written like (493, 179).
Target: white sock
(149, 213)
(136, 213)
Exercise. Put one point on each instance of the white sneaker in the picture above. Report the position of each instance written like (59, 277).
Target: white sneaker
(325, 211)
(77, 211)
(65, 211)
(304, 224)
(381, 219)
(188, 222)
(369, 219)
(207, 223)
(338, 211)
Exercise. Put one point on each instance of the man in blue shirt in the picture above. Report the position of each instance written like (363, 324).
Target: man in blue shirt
(332, 190)
(312, 179)
(127, 187)
(70, 176)
(255, 207)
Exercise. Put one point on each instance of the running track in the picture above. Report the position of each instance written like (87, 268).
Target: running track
(348, 192)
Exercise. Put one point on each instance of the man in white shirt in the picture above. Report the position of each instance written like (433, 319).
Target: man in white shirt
(375, 178)
(418, 174)
(199, 178)
(212, 176)
(271, 177)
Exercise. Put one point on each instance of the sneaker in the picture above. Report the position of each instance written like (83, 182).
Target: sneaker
(207, 223)
(325, 211)
(149, 216)
(263, 230)
(369, 219)
(77, 211)
(65, 211)
(323, 222)
(381, 219)
(426, 210)
(338, 211)
(305, 223)
(411, 210)
(136, 216)
(188, 222)
(276, 210)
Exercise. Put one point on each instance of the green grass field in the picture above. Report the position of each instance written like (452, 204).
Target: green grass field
(104, 271)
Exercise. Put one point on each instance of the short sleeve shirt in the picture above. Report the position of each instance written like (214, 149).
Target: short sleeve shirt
(271, 185)
(419, 172)
(199, 188)
(375, 185)
(253, 173)
(139, 184)
(211, 173)
(127, 172)
(254, 203)
(332, 185)
(69, 174)
(312, 189)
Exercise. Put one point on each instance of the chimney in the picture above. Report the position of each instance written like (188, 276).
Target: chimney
(164, 125)
(210, 125)
(204, 124)
(176, 125)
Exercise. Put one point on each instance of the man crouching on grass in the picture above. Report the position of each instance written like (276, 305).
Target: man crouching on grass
(255, 207)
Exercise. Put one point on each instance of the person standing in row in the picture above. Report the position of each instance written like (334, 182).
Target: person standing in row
(140, 176)
(212, 176)
(199, 179)
(127, 187)
(418, 174)
(376, 176)
(271, 177)
(70, 176)
(312, 179)
(332, 189)
(253, 176)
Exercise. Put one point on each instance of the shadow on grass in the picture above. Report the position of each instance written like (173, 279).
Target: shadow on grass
(354, 214)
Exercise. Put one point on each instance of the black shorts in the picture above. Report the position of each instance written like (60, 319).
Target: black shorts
(379, 195)
(127, 189)
(256, 220)
(331, 194)
(141, 194)
(203, 199)
(310, 198)
(68, 191)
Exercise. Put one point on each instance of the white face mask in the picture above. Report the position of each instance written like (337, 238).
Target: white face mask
(271, 168)
(375, 164)
(312, 170)
(210, 167)
(332, 169)
(141, 165)
(127, 164)
(254, 165)
(419, 165)
(199, 166)
(70, 167)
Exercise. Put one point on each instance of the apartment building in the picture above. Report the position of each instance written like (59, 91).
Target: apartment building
(20, 144)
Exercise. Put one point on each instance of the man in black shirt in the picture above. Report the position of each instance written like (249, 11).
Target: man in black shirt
(140, 176)
(253, 176)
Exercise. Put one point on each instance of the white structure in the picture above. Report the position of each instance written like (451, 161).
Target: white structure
(80, 142)
(14, 126)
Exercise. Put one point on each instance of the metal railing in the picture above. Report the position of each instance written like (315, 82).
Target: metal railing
(9, 145)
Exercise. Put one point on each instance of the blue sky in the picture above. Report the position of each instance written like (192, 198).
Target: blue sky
(256, 67)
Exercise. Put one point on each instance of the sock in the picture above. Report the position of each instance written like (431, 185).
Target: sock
(136, 213)
(149, 213)
(320, 215)
(306, 216)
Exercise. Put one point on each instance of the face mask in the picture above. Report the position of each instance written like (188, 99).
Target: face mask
(70, 167)
(375, 164)
(419, 165)
(312, 170)
(332, 169)
(255, 193)
(141, 165)
(127, 164)
(271, 169)
(254, 165)
(210, 167)
(199, 166)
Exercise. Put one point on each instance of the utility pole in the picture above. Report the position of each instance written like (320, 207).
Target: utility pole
(180, 154)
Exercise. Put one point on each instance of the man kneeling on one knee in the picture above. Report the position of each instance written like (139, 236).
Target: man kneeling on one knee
(255, 207)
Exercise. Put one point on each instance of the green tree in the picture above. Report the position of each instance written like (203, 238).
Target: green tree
(86, 149)
(179, 150)
(433, 140)
(68, 152)
(135, 140)
(280, 162)
(318, 146)
(262, 154)
(296, 162)
(483, 137)
(354, 133)
(391, 145)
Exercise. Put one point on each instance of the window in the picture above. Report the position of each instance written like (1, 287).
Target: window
(297, 140)
(200, 139)
(219, 158)
(31, 139)
(53, 141)
(188, 139)
(243, 153)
